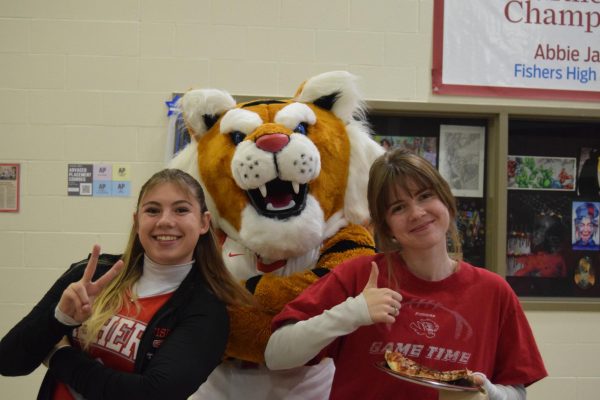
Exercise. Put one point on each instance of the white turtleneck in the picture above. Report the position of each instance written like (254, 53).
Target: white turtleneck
(160, 279)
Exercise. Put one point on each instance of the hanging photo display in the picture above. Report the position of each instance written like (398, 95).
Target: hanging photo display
(585, 226)
(423, 146)
(552, 244)
(585, 276)
(541, 173)
(553, 209)
(461, 158)
(588, 177)
(537, 235)
(470, 223)
(9, 187)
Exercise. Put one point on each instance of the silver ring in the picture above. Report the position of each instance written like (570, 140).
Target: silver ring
(396, 311)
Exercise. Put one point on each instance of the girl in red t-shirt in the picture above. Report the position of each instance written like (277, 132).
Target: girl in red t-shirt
(414, 298)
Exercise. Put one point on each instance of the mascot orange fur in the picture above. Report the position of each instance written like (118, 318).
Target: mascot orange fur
(285, 182)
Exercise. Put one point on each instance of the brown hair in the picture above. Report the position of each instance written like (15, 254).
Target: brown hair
(206, 254)
(395, 169)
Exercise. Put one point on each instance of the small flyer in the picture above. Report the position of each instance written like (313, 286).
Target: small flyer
(9, 187)
(121, 185)
(80, 179)
(99, 180)
(102, 180)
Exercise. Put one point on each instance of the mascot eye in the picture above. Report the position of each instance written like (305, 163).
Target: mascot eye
(301, 128)
(237, 137)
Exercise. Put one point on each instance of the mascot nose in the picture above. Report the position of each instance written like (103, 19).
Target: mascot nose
(273, 142)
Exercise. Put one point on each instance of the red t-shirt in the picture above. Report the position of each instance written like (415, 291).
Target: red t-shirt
(472, 319)
(119, 339)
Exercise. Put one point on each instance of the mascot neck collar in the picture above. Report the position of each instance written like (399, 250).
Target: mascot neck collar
(265, 268)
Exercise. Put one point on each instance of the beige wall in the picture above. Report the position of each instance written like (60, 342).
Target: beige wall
(86, 81)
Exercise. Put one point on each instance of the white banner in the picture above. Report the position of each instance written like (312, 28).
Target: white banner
(505, 44)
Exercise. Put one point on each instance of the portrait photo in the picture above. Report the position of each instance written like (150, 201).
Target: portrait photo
(585, 225)
(585, 275)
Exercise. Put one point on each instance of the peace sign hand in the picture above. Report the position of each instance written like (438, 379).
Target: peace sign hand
(78, 298)
(383, 303)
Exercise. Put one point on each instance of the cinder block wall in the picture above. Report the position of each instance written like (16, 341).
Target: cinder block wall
(86, 81)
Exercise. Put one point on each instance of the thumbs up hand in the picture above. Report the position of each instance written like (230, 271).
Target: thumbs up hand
(383, 303)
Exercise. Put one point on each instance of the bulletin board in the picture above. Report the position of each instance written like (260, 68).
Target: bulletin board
(553, 205)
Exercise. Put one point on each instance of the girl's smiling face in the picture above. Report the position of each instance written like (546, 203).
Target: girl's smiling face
(169, 222)
(417, 218)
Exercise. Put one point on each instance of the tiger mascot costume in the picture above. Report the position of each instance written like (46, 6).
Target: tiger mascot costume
(285, 182)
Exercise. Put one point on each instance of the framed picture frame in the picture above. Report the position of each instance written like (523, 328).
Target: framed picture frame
(585, 234)
(588, 173)
(10, 178)
(424, 146)
(541, 173)
(462, 159)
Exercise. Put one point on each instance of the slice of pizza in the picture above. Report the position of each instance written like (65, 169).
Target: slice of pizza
(398, 363)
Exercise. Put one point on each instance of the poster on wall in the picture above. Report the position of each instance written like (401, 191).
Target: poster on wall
(461, 159)
(102, 178)
(121, 180)
(99, 180)
(80, 179)
(523, 49)
(9, 187)
(541, 173)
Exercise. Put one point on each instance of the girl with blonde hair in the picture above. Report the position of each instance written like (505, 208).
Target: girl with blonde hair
(151, 324)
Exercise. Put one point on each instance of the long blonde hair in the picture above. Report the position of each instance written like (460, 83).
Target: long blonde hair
(206, 254)
(395, 169)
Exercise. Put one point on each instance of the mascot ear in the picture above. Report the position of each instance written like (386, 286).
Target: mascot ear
(335, 91)
(202, 108)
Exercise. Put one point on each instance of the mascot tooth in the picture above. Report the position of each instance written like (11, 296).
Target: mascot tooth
(285, 182)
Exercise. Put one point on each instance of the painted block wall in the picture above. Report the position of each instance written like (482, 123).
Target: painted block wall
(86, 81)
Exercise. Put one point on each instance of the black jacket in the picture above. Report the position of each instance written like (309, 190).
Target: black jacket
(196, 321)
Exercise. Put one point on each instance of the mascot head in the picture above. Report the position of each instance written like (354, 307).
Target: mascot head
(281, 176)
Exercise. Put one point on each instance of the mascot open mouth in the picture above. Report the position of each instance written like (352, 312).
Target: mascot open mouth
(279, 199)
